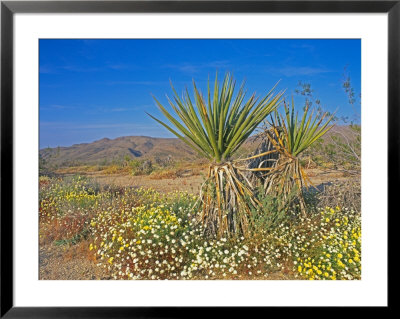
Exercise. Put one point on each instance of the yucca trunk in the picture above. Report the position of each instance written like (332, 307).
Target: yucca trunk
(228, 200)
(266, 161)
(287, 178)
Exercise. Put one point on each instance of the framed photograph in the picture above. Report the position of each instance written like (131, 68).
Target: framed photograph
(162, 155)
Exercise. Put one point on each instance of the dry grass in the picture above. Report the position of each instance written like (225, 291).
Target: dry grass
(190, 180)
(79, 169)
(181, 171)
(344, 193)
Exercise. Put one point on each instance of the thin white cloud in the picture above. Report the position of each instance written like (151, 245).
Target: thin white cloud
(94, 126)
(79, 69)
(94, 109)
(56, 107)
(290, 71)
(308, 47)
(136, 82)
(104, 109)
(44, 69)
(187, 67)
(121, 66)
(119, 109)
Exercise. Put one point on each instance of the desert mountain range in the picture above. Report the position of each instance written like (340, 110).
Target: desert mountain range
(106, 150)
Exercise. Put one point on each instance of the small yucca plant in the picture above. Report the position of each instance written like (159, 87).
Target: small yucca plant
(289, 137)
(216, 126)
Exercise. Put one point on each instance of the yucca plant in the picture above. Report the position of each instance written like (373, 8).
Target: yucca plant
(216, 126)
(290, 137)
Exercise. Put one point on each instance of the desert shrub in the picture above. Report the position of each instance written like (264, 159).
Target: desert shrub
(338, 150)
(147, 167)
(278, 208)
(43, 165)
(347, 148)
(164, 174)
(138, 167)
(134, 165)
(164, 161)
(345, 193)
(178, 170)
(342, 148)
(92, 168)
(112, 169)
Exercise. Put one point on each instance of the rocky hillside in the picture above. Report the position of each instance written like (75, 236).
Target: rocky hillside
(106, 151)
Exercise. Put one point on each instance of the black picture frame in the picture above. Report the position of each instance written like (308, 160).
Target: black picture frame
(9, 8)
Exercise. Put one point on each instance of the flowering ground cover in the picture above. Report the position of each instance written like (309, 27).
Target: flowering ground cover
(143, 234)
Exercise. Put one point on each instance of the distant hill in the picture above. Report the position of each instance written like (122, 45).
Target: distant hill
(106, 151)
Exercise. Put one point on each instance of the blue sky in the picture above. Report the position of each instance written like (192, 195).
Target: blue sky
(90, 89)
